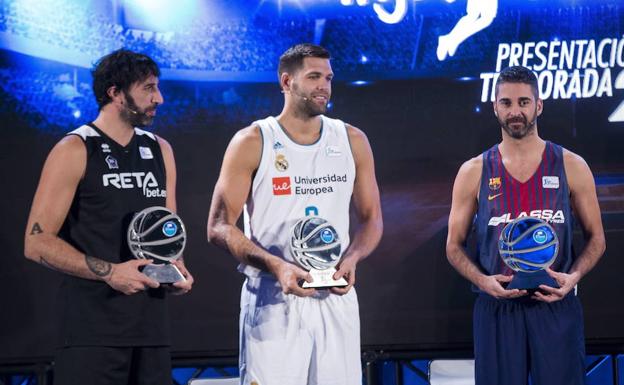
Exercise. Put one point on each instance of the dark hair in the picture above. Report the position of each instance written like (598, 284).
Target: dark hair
(518, 74)
(292, 60)
(120, 69)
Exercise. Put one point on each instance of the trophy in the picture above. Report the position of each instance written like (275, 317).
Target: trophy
(315, 246)
(528, 246)
(157, 233)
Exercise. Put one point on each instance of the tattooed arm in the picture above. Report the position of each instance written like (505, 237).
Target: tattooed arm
(241, 159)
(62, 171)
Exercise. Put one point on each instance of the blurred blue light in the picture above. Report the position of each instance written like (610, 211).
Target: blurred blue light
(466, 78)
(360, 83)
(477, 109)
(330, 105)
(363, 59)
(76, 114)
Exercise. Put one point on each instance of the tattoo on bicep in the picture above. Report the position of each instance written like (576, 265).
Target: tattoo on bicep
(36, 229)
(97, 266)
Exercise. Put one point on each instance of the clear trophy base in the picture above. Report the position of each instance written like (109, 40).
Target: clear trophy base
(324, 279)
(531, 281)
(163, 273)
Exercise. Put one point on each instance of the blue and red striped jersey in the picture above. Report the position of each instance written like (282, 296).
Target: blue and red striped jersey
(502, 199)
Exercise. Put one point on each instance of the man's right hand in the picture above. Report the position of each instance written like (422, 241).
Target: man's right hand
(126, 277)
(492, 285)
(289, 276)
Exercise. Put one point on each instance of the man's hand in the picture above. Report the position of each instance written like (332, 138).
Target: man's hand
(566, 283)
(289, 275)
(346, 270)
(491, 284)
(126, 277)
(182, 287)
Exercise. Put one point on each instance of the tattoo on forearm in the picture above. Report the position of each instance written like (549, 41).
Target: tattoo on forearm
(97, 266)
(49, 265)
(36, 229)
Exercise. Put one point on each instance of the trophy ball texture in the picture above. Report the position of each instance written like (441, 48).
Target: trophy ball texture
(315, 243)
(528, 244)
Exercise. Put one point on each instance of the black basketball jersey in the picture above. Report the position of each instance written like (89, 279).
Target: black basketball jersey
(118, 182)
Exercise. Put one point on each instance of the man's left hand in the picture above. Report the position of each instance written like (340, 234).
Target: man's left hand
(182, 287)
(565, 281)
(346, 270)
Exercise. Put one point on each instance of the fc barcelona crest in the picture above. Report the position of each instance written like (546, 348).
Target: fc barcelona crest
(495, 183)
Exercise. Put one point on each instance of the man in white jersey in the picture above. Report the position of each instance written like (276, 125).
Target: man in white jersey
(281, 169)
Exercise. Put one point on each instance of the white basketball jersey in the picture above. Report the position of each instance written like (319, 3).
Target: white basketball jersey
(294, 181)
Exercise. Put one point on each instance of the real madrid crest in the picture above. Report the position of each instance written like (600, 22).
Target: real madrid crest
(495, 183)
(281, 164)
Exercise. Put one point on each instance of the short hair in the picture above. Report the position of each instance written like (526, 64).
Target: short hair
(120, 69)
(292, 60)
(518, 74)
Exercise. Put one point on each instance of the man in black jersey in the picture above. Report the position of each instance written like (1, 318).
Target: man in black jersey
(114, 319)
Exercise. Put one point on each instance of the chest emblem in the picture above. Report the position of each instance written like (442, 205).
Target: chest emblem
(277, 145)
(333, 151)
(550, 182)
(105, 147)
(495, 183)
(281, 164)
(111, 162)
(146, 153)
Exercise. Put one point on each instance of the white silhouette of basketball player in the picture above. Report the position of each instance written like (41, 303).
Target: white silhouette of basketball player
(479, 15)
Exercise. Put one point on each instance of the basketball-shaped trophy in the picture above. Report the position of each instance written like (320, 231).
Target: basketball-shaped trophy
(157, 233)
(528, 246)
(316, 247)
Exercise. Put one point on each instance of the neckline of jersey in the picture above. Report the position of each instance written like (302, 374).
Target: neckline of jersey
(539, 166)
(113, 141)
(310, 146)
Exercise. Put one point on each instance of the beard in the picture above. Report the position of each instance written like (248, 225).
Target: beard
(306, 106)
(519, 126)
(136, 116)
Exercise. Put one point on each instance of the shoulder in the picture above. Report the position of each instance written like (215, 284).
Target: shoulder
(472, 167)
(164, 145)
(70, 146)
(575, 166)
(249, 137)
(355, 134)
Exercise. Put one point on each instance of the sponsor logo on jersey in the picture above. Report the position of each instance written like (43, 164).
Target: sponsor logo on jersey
(146, 153)
(550, 182)
(111, 162)
(281, 164)
(327, 236)
(131, 180)
(491, 197)
(495, 183)
(277, 145)
(281, 186)
(105, 147)
(333, 151)
(547, 215)
(302, 185)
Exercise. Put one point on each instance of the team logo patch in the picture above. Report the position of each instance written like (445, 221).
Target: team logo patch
(495, 183)
(281, 186)
(550, 182)
(277, 145)
(105, 147)
(111, 162)
(281, 164)
(146, 153)
(170, 228)
(333, 151)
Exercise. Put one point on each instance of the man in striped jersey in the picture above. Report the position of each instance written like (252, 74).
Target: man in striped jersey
(519, 333)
